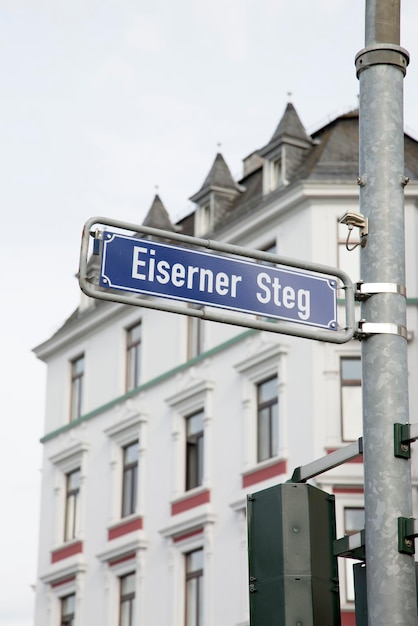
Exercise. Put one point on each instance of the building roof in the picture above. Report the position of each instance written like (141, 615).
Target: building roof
(289, 128)
(157, 216)
(219, 177)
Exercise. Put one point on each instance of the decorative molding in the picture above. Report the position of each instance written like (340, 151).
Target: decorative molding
(69, 458)
(187, 525)
(122, 550)
(181, 400)
(64, 571)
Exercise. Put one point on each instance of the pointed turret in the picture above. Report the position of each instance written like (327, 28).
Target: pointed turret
(215, 197)
(219, 177)
(285, 151)
(157, 216)
(289, 128)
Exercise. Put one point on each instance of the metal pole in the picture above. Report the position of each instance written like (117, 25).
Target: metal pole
(381, 67)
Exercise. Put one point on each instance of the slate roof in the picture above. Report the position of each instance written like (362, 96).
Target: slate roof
(219, 177)
(157, 216)
(290, 127)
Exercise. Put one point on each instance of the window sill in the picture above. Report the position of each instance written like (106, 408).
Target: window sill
(127, 525)
(190, 500)
(66, 550)
(263, 471)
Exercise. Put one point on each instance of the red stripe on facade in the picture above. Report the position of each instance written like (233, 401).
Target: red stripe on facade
(122, 559)
(190, 502)
(348, 490)
(124, 528)
(66, 551)
(191, 533)
(63, 581)
(257, 476)
(348, 618)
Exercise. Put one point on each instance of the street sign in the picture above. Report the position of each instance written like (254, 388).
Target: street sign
(152, 268)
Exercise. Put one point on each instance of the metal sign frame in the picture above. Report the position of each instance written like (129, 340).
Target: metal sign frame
(94, 228)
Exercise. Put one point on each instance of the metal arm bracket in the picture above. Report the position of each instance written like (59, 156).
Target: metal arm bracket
(304, 472)
(351, 546)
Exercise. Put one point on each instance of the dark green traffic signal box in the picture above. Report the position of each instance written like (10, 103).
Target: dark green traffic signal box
(293, 572)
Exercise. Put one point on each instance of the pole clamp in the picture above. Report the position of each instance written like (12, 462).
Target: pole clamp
(407, 531)
(365, 290)
(404, 435)
(382, 54)
(366, 329)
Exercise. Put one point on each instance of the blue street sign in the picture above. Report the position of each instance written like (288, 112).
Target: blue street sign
(157, 269)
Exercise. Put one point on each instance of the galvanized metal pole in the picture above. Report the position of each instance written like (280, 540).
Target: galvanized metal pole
(381, 67)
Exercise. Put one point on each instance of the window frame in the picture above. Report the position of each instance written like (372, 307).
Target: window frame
(127, 598)
(194, 576)
(77, 387)
(347, 500)
(132, 428)
(269, 405)
(72, 513)
(67, 619)
(129, 469)
(198, 397)
(65, 462)
(348, 383)
(133, 357)
(342, 252)
(261, 363)
(195, 334)
(195, 452)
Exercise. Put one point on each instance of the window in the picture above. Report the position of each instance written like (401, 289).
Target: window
(351, 399)
(203, 219)
(194, 450)
(77, 376)
(276, 173)
(349, 260)
(68, 610)
(267, 419)
(133, 354)
(195, 335)
(353, 523)
(194, 588)
(72, 504)
(127, 600)
(130, 479)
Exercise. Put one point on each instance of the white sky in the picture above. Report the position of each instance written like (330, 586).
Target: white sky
(103, 100)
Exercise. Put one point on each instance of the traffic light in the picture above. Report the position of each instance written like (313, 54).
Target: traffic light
(293, 576)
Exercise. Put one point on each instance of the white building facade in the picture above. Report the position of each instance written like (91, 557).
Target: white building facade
(158, 425)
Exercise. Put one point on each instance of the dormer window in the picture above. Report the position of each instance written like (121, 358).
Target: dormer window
(285, 151)
(274, 172)
(203, 219)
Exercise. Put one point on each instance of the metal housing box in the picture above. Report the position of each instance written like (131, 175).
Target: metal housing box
(292, 569)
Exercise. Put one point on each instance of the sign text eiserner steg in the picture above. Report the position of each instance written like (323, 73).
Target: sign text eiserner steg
(153, 268)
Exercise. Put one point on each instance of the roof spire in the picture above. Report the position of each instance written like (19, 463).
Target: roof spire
(290, 128)
(219, 176)
(157, 216)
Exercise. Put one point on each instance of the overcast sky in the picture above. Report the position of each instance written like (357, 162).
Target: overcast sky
(103, 101)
